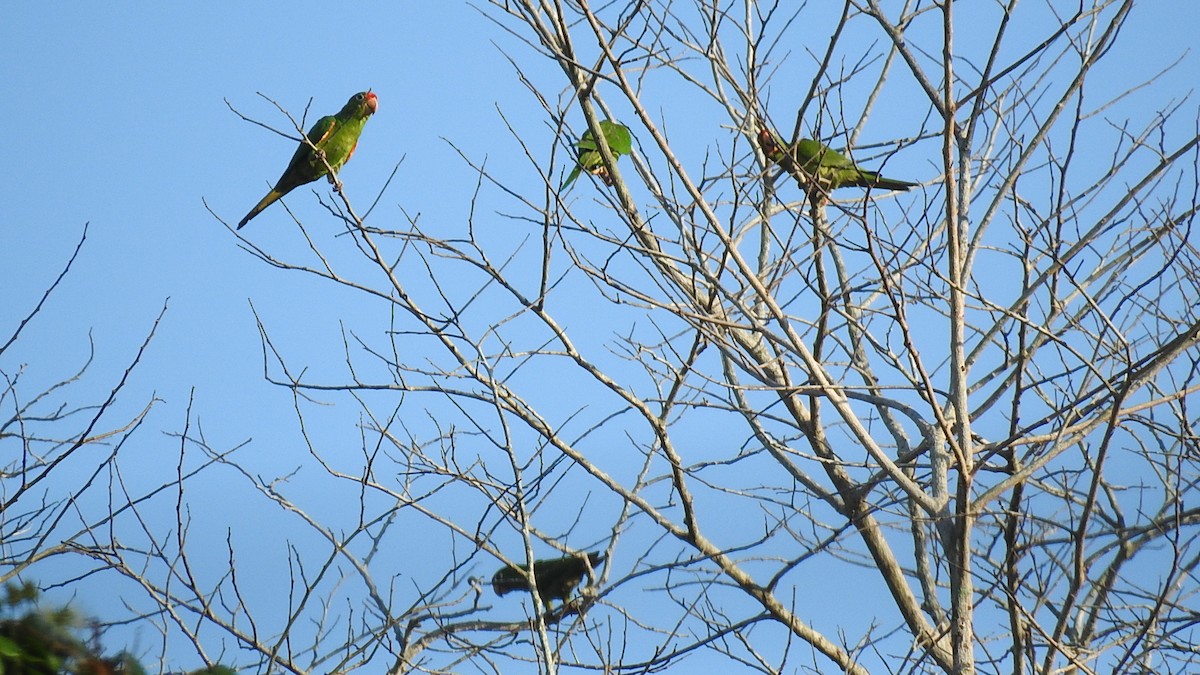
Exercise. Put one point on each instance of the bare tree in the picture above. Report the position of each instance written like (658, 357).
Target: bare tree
(811, 429)
(62, 485)
(45, 427)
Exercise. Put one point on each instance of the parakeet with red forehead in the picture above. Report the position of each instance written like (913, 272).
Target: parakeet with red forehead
(815, 165)
(335, 135)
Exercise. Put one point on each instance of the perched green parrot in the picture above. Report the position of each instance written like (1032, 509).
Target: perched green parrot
(588, 154)
(816, 165)
(336, 136)
(556, 577)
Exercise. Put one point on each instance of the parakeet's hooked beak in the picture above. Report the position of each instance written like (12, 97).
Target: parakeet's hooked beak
(767, 141)
(372, 101)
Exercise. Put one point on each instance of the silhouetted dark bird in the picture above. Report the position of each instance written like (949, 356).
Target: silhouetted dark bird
(556, 577)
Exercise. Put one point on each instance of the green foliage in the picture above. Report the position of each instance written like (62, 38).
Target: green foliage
(47, 641)
(36, 640)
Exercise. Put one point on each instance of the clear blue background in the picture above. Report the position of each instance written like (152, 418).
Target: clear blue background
(115, 115)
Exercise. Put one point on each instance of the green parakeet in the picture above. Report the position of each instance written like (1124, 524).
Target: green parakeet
(336, 136)
(556, 577)
(588, 154)
(816, 165)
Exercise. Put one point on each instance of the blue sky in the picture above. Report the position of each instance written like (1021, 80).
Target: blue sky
(125, 126)
(117, 118)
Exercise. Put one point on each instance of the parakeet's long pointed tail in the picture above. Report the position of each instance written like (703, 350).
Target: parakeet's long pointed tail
(571, 178)
(272, 197)
(890, 184)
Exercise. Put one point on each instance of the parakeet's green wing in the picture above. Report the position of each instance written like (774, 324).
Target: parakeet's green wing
(617, 135)
(619, 139)
(303, 168)
(620, 142)
(814, 155)
(835, 170)
(342, 139)
(588, 142)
